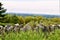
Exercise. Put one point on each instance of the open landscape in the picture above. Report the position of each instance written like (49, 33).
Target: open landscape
(26, 26)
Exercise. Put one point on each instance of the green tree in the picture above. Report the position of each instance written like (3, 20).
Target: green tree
(10, 19)
(28, 19)
(21, 20)
(2, 10)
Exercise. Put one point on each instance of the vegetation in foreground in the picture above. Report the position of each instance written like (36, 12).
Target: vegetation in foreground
(31, 35)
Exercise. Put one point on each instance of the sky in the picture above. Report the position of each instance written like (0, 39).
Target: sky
(32, 6)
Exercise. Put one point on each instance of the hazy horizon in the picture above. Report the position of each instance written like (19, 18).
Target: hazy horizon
(50, 7)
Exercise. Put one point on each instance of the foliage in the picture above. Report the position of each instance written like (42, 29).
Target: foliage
(21, 20)
(24, 20)
(31, 35)
(28, 19)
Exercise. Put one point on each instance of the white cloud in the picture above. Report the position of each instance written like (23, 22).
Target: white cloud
(48, 7)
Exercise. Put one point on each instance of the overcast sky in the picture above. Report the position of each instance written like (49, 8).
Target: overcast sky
(32, 6)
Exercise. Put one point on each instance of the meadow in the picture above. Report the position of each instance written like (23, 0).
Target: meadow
(31, 35)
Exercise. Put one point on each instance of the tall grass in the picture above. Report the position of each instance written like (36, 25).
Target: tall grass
(31, 35)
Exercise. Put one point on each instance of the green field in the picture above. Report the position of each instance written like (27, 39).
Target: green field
(31, 35)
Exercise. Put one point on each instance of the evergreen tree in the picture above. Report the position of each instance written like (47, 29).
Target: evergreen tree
(2, 10)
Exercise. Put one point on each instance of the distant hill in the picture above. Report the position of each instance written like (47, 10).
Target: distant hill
(26, 14)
